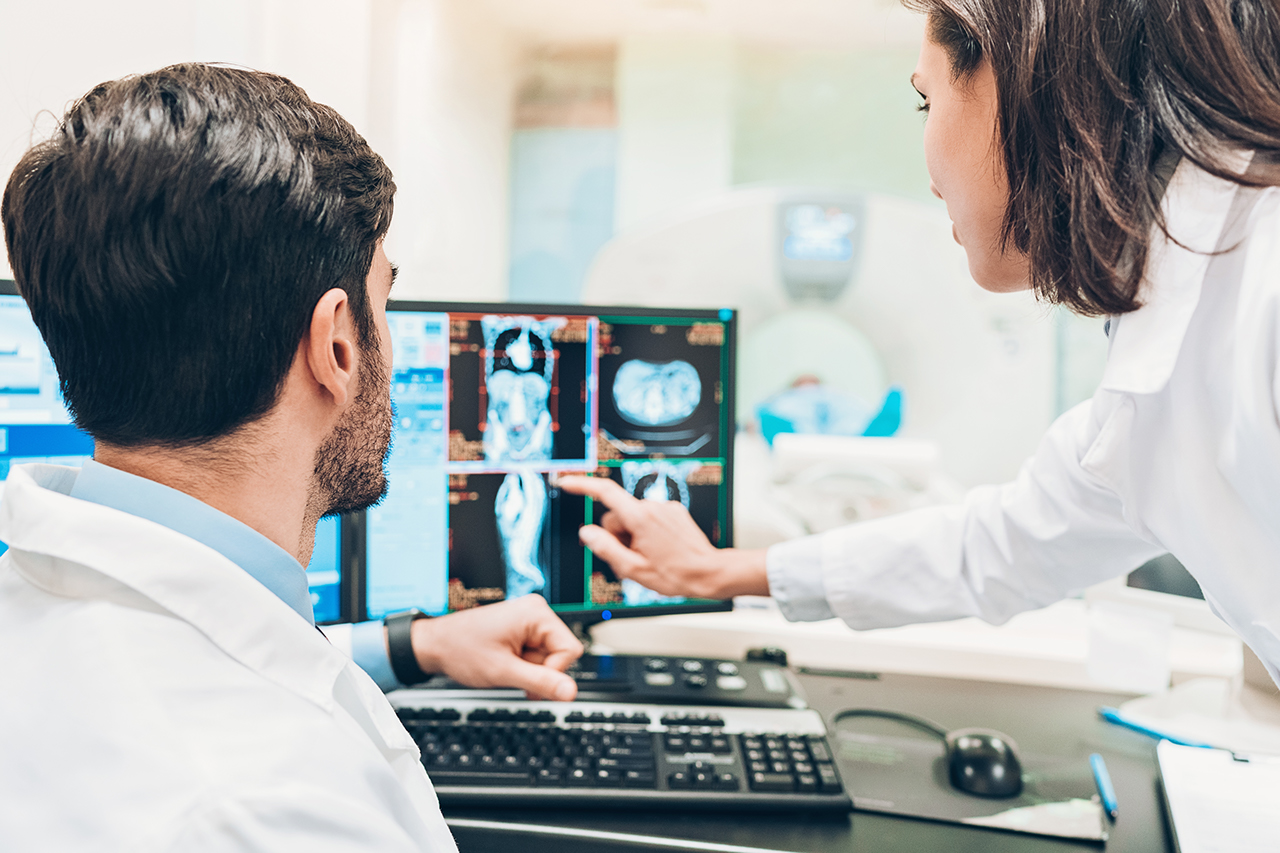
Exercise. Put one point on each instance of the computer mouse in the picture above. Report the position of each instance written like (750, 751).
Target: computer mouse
(983, 762)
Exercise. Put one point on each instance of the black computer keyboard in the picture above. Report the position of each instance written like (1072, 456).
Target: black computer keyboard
(503, 752)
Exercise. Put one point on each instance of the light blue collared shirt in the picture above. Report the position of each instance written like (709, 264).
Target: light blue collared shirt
(264, 561)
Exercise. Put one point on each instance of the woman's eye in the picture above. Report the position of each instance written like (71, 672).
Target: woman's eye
(923, 108)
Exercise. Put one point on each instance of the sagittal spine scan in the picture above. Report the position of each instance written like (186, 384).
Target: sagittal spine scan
(521, 510)
(518, 369)
(650, 393)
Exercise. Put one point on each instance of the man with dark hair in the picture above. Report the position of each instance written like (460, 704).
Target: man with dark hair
(201, 248)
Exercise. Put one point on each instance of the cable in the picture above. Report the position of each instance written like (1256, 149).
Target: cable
(910, 719)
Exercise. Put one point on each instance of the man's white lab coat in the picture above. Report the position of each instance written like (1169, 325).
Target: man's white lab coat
(155, 697)
(1178, 451)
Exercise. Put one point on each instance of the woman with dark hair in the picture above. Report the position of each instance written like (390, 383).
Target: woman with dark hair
(1120, 158)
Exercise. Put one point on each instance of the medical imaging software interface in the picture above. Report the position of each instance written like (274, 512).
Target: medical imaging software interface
(36, 427)
(495, 403)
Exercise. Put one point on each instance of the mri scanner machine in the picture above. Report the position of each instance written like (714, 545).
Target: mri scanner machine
(858, 294)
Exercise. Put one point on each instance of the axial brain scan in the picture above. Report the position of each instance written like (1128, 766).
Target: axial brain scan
(521, 510)
(656, 394)
(519, 366)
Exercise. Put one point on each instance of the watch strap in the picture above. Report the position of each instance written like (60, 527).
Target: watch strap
(404, 663)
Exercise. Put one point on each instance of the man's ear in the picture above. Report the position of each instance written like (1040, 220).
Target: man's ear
(328, 349)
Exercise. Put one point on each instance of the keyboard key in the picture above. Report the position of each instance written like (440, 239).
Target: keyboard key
(780, 767)
(579, 778)
(803, 767)
(807, 783)
(608, 778)
(691, 666)
(695, 680)
(624, 763)
(464, 778)
(628, 751)
(818, 748)
(575, 717)
(680, 780)
(676, 743)
(702, 779)
(828, 780)
(550, 778)
(759, 767)
(720, 745)
(773, 783)
(726, 782)
(655, 664)
(639, 778)
(752, 743)
(727, 668)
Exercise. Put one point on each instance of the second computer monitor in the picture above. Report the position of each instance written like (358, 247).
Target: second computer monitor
(495, 402)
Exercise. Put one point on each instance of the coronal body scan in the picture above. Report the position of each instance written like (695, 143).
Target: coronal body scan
(521, 512)
(651, 393)
(518, 371)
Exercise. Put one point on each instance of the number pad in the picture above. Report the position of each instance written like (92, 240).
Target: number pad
(789, 763)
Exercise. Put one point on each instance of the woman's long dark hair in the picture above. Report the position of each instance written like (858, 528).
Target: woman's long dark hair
(1091, 94)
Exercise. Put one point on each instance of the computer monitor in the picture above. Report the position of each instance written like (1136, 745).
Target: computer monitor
(495, 402)
(36, 427)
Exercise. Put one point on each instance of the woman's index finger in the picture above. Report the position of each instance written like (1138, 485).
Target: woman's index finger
(601, 489)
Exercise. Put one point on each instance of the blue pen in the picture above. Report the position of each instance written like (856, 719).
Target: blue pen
(1113, 715)
(1102, 779)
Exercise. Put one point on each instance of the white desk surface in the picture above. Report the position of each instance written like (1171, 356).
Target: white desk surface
(1047, 647)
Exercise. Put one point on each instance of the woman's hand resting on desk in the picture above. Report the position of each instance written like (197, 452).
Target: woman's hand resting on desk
(658, 545)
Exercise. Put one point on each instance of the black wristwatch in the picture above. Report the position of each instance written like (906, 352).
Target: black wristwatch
(404, 663)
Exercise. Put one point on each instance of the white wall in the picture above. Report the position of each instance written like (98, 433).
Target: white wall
(447, 138)
(675, 123)
(426, 81)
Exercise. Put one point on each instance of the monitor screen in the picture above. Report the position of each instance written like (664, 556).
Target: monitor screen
(35, 427)
(495, 402)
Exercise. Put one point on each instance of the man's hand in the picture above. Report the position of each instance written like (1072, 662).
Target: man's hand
(658, 545)
(516, 643)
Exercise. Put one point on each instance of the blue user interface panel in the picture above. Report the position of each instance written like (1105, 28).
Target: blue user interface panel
(493, 403)
(35, 427)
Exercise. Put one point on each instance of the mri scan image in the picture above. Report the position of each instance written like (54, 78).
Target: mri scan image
(654, 394)
(655, 481)
(659, 480)
(521, 512)
(519, 366)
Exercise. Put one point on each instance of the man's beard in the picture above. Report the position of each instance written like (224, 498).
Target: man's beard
(350, 465)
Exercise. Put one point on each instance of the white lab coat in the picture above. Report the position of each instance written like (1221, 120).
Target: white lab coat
(1178, 451)
(155, 697)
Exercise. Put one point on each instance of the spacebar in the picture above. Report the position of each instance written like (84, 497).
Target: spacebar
(490, 778)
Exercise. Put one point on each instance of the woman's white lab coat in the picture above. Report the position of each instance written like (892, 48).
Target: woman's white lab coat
(1178, 451)
(154, 697)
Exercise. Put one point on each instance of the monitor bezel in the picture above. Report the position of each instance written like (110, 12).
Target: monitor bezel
(354, 527)
(9, 287)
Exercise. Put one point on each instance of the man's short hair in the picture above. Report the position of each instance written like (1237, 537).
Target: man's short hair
(173, 237)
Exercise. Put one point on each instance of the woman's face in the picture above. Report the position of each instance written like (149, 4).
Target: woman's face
(965, 165)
